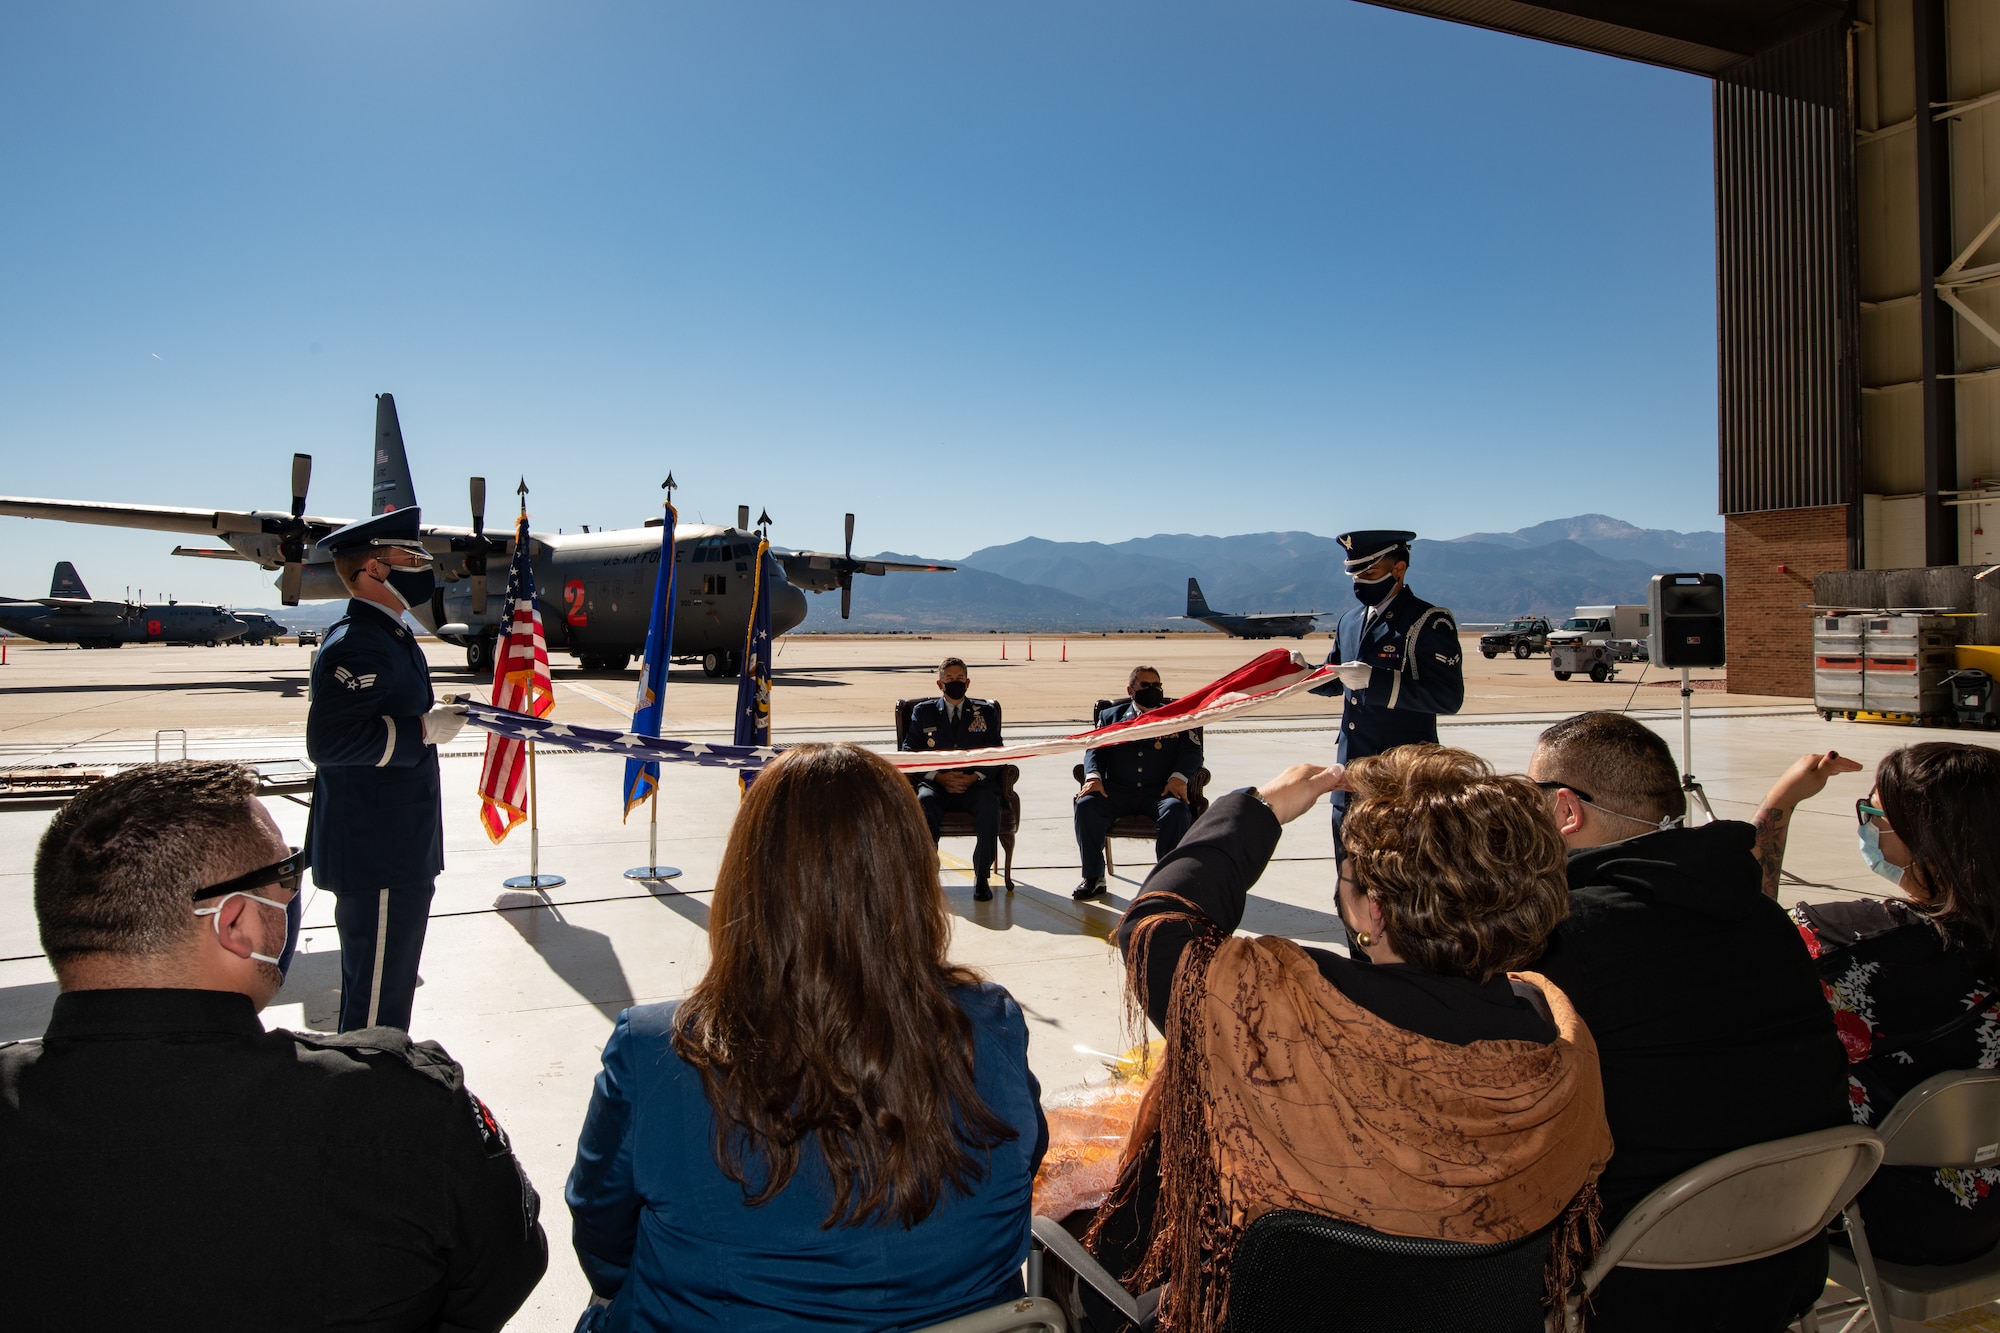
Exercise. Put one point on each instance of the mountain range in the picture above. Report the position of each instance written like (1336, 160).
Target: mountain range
(1141, 584)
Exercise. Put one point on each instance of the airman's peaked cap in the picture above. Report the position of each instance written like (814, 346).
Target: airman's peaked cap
(1365, 546)
(398, 527)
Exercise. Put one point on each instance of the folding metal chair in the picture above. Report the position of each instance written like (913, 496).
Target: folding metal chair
(1297, 1272)
(1743, 1205)
(1949, 1120)
(1030, 1314)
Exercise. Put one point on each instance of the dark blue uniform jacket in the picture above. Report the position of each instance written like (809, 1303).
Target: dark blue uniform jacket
(1142, 767)
(1419, 673)
(377, 819)
(930, 726)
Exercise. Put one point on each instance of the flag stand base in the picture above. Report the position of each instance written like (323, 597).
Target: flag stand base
(534, 882)
(653, 872)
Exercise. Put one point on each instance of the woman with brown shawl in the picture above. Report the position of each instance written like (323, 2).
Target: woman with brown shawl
(1417, 1088)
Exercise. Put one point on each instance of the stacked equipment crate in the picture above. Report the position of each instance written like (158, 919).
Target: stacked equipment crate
(1839, 664)
(1908, 661)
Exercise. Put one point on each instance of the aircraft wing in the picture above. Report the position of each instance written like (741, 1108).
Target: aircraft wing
(207, 554)
(159, 518)
(819, 571)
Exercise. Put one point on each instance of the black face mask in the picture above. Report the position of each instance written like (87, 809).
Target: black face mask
(954, 689)
(1374, 592)
(1149, 696)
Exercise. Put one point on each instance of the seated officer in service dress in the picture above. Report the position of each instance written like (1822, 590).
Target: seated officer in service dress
(1147, 778)
(168, 1164)
(953, 721)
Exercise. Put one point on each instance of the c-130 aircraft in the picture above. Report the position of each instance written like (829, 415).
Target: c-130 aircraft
(595, 588)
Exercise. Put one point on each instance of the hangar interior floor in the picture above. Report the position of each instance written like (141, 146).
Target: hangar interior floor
(522, 987)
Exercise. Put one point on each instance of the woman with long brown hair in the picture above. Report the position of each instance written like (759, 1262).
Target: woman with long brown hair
(838, 1127)
(1914, 980)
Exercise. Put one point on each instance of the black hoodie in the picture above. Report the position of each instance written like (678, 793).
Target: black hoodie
(1710, 1023)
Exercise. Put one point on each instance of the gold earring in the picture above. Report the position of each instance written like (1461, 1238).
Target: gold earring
(1363, 938)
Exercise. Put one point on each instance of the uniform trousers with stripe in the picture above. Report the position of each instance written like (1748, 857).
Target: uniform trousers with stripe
(381, 943)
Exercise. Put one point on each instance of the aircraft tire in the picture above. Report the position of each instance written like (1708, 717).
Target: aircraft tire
(1562, 675)
(479, 654)
(711, 665)
(1521, 651)
(617, 661)
(733, 664)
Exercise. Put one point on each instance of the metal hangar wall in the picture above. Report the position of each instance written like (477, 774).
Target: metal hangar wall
(1857, 189)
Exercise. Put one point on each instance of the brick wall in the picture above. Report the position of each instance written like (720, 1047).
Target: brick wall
(1769, 562)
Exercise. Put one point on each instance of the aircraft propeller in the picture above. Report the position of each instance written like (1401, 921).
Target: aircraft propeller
(475, 559)
(293, 532)
(847, 566)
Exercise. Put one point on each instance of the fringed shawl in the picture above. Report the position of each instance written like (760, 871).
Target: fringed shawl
(1278, 1092)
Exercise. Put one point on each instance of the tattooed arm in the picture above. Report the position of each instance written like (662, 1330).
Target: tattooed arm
(1802, 781)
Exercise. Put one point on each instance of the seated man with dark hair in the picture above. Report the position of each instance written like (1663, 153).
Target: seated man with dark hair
(170, 1165)
(1147, 778)
(1711, 1029)
(954, 721)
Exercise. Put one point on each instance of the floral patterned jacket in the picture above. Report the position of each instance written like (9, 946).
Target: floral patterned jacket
(1893, 974)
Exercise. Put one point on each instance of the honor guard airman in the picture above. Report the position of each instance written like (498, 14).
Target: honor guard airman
(1149, 778)
(953, 721)
(1398, 656)
(376, 837)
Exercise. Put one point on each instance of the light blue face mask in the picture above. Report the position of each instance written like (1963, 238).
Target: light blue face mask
(1871, 852)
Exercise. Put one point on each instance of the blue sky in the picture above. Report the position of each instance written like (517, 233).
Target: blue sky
(1081, 271)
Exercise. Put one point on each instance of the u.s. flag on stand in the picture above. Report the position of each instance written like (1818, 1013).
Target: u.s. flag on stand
(521, 685)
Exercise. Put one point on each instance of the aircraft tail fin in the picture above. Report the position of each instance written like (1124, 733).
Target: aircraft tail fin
(1197, 604)
(393, 488)
(66, 583)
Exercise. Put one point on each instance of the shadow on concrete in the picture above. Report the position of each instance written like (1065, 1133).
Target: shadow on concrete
(690, 907)
(24, 1010)
(584, 959)
(291, 687)
(313, 981)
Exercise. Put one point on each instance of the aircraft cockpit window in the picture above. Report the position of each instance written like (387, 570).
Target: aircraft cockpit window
(743, 550)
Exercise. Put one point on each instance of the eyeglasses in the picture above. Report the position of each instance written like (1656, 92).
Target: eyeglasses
(1863, 812)
(1579, 792)
(285, 874)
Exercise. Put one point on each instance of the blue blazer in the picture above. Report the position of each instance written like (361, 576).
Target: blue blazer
(662, 1232)
(1141, 767)
(1419, 672)
(377, 814)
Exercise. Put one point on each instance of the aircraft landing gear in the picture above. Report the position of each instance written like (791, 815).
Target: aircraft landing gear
(603, 661)
(717, 665)
(711, 665)
(479, 654)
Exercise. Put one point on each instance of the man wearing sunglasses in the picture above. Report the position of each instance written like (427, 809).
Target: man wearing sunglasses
(373, 729)
(1712, 1032)
(169, 1165)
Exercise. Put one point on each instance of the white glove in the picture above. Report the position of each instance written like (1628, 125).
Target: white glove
(1355, 675)
(443, 722)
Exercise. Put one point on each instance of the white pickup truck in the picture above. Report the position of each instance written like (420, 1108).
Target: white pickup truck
(1597, 637)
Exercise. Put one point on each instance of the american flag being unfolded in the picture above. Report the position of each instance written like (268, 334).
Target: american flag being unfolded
(1256, 684)
(521, 687)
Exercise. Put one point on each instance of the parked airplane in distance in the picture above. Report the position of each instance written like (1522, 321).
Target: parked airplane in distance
(595, 589)
(1271, 625)
(69, 614)
(260, 628)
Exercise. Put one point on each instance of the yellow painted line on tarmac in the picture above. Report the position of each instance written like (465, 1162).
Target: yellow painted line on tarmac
(598, 696)
(950, 862)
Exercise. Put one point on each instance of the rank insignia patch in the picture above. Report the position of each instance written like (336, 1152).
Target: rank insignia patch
(364, 681)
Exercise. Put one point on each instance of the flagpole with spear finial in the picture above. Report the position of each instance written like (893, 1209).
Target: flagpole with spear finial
(534, 879)
(653, 871)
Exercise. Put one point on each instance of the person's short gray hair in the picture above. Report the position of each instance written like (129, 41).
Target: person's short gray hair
(117, 869)
(1132, 681)
(1622, 764)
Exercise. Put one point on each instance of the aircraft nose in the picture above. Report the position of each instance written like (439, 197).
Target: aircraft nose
(788, 607)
